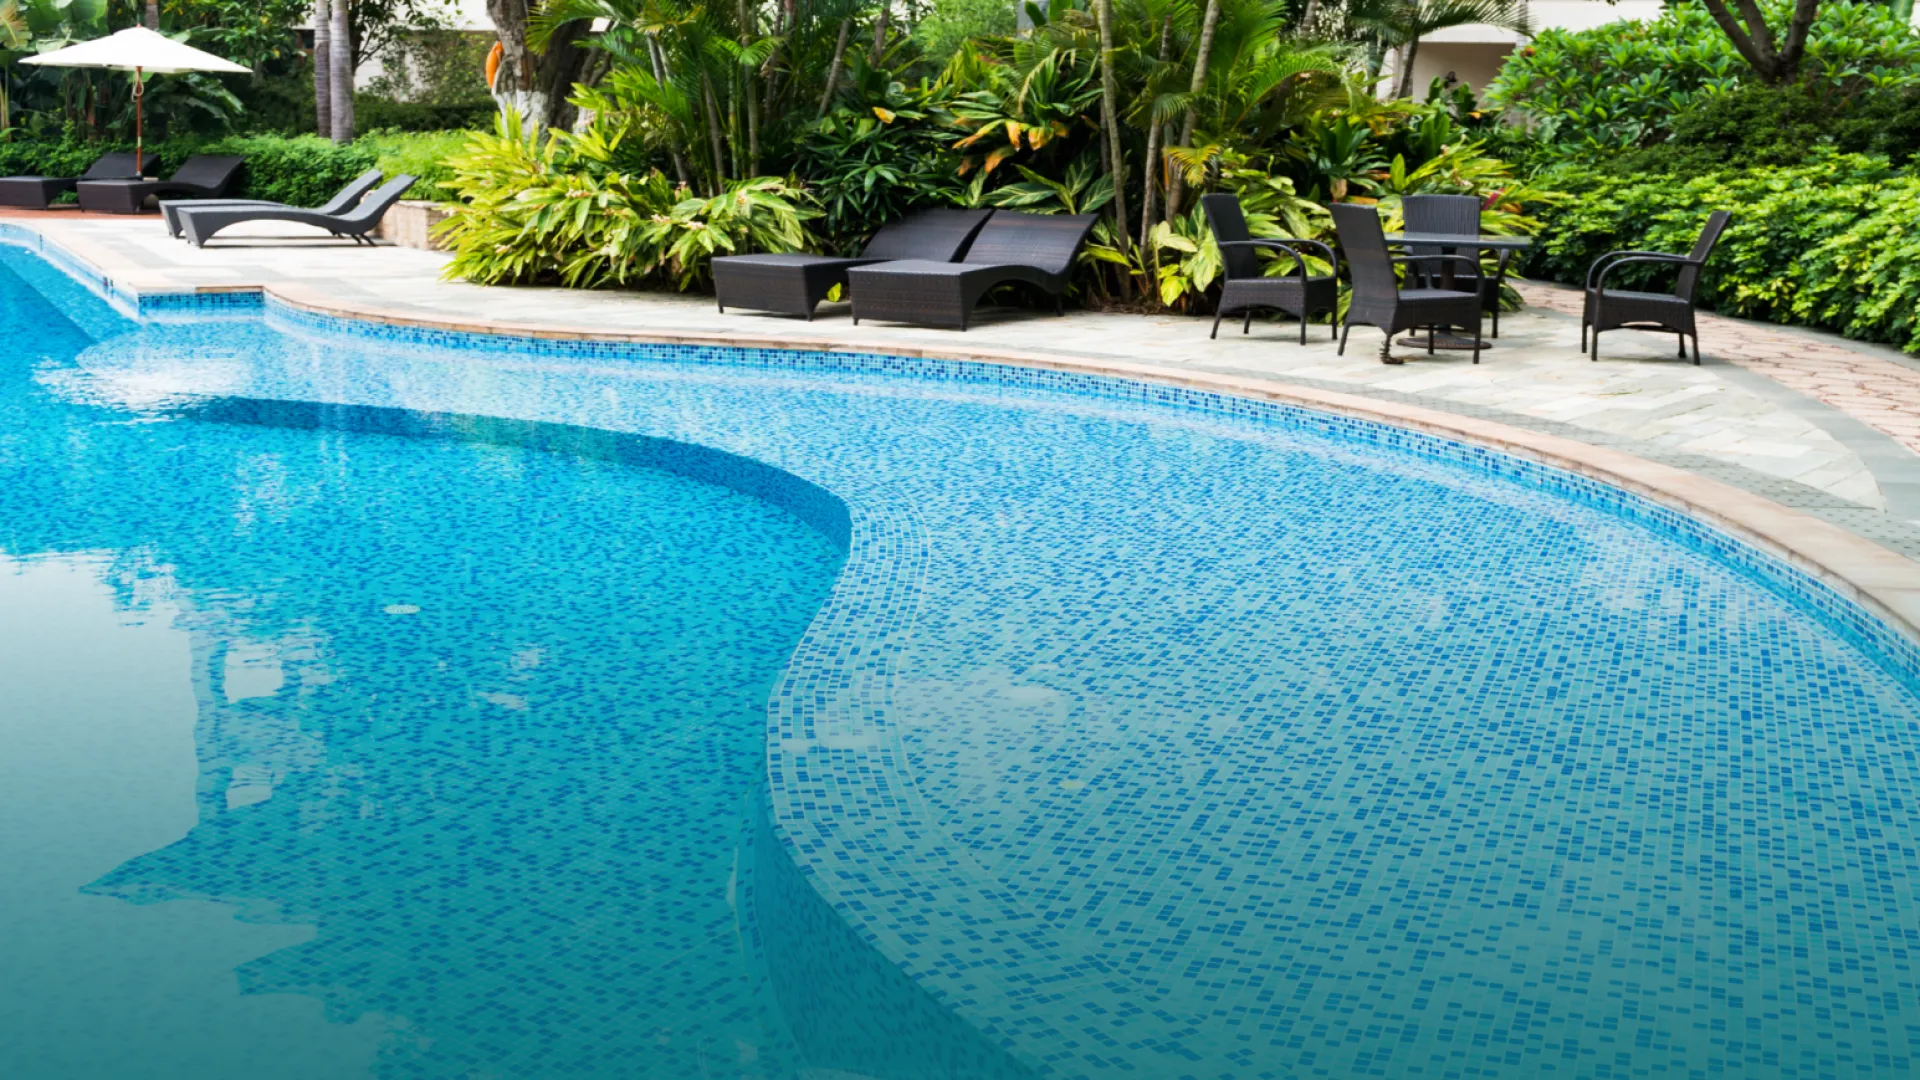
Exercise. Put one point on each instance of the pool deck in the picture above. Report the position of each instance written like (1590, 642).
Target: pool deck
(1798, 440)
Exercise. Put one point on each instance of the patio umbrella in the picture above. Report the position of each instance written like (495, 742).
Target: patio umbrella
(140, 51)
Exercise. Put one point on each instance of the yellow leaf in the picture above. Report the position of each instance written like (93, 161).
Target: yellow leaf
(885, 116)
(994, 159)
(1013, 133)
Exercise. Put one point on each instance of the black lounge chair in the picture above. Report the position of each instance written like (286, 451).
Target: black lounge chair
(1037, 249)
(347, 198)
(202, 177)
(38, 192)
(1672, 312)
(1380, 300)
(795, 283)
(1456, 215)
(199, 223)
(1246, 288)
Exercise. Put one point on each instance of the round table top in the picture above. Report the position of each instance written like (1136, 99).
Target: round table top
(1511, 243)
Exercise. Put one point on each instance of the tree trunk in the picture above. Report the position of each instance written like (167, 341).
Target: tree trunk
(322, 73)
(537, 85)
(1110, 117)
(1753, 39)
(340, 75)
(1412, 50)
(879, 34)
(750, 29)
(713, 135)
(662, 76)
(1149, 172)
(1209, 22)
(833, 69)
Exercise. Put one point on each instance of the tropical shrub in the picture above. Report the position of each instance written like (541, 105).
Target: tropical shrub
(559, 209)
(1624, 84)
(1833, 243)
(871, 165)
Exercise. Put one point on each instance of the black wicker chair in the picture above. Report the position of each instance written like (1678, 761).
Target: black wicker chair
(38, 192)
(1457, 215)
(346, 199)
(199, 223)
(1379, 299)
(1245, 287)
(1622, 309)
(796, 283)
(1034, 249)
(200, 177)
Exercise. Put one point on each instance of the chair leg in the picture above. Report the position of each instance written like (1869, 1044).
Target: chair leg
(1583, 333)
(1475, 330)
(1696, 348)
(1216, 326)
(1303, 328)
(1246, 324)
(1496, 317)
(1683, 345)
(1333, 324)
(1344, 331)
(1429, 339)
(1060, 305)
(1593, 351)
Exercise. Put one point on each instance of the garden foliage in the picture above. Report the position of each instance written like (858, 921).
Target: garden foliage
(1624, 85)
(562, 209)
(1833, 243)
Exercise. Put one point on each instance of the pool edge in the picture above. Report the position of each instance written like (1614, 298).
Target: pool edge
(1880, 580)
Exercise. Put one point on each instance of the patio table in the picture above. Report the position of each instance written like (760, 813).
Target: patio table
(1503, 246)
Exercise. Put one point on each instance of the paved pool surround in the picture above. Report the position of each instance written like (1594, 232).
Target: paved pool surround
(1044, 751)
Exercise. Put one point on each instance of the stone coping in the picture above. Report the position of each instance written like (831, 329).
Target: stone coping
(1883, 581)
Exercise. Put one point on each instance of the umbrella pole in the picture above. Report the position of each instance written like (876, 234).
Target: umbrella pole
(139, 153)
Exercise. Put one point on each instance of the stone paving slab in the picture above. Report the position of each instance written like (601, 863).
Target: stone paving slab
(1772, 435)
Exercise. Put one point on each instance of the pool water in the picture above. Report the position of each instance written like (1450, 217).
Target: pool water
(389, 708)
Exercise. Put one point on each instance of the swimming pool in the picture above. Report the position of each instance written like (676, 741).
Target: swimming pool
(460, 707)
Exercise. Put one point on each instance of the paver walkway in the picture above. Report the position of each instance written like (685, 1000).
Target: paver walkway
(1809, 421)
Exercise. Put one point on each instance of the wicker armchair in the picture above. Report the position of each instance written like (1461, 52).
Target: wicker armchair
(1671, 312)
(1032, 249)
(796, 283)
(1246, 288)
(1380, 300)
(1457, 215)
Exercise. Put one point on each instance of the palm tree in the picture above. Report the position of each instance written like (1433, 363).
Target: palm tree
(1400, 24)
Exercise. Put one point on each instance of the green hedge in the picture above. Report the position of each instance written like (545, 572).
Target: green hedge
(1834, 243)
(303, 169)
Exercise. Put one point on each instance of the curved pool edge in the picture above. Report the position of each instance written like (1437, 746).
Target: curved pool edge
(1885, 582)
(1880, 580)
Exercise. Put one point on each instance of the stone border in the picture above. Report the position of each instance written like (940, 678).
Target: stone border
(1880, 580)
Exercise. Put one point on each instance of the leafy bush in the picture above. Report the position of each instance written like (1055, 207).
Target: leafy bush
(1624, 84)
(303, 170)
(425, 154)
(870, 166)
(372, 113)
(559, 211)
(1833, 243)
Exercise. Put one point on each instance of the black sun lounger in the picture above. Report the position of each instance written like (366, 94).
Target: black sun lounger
(796, 283)
(347, 198)
(199, 223)
(201, 177)
(1037, 249)
(39, 192)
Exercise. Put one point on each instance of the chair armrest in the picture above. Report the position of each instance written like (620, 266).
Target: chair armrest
(1286, 245)
(1603, 263)
(1628, 260)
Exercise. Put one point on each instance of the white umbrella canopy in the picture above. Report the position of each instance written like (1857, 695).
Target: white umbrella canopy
(139, 50)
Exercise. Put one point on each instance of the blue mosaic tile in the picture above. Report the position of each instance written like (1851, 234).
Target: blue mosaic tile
(1142, 731)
